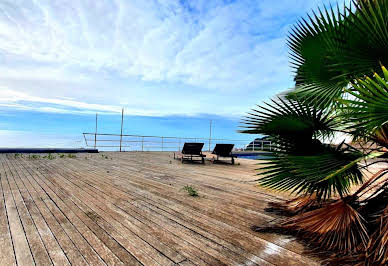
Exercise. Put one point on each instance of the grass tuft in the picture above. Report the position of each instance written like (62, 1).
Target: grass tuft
(191, 191)
(50, 156)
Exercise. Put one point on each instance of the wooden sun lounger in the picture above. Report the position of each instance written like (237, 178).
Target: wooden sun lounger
(190, 151)
(224, 150)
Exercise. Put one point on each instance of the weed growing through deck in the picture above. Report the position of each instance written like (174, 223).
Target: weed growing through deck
(50, 156)
(71, 155)
(191, 191)
(104, 156)
(61, 156)
(34, 156)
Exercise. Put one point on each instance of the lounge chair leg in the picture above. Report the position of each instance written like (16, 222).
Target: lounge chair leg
(232, 160)
(182, 159)
(203, 160)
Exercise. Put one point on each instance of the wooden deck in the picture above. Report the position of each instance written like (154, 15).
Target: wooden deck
(130, 209)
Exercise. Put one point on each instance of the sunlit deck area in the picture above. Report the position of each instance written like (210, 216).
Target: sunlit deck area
(130, 208)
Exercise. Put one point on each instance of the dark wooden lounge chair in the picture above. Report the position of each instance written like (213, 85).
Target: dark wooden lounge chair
(190, 151)
(224, 150)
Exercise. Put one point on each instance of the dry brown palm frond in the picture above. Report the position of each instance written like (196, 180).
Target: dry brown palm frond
(294, 206)
(367, 186)
(336, 226)
(345, 260)
(381, 136)
(377, 251)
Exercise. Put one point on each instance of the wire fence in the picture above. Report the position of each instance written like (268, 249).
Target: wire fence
(161, 143)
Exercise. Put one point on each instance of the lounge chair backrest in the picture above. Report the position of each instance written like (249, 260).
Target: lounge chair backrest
(192, 148)
(223, 150)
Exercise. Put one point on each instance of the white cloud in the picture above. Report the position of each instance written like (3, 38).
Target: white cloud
(157, 57)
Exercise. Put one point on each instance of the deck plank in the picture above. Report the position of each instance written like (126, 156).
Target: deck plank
(89, 237)
(36, 244)
(7, 255)
(43, 202)
(130, 209)
(133, 243)
(57, 255)
(20, 242)
(113, 247)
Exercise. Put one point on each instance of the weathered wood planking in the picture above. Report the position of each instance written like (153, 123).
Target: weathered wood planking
(130, 209)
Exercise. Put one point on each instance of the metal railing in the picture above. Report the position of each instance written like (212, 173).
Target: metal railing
(123, 142)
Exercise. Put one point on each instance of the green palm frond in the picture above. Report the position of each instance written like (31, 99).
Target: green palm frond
(367, 111)
(291, 124)
(367, 39)
(331, 170)
(334, 47)
(312, 54)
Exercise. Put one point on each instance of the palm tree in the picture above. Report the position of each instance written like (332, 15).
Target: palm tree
(341, 86)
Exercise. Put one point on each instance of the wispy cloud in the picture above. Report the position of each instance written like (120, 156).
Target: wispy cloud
(155, 57)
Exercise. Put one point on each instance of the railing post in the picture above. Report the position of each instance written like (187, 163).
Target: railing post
(210, 134)
(121, 132)
(162, 143)
(262, 145)
(95, 133)
(179, 145)
(142, 143)
(253, 146)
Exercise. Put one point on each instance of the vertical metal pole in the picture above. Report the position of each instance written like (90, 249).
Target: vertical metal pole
(262, 145)
(95, 133)
(179, 148)
(162, 143)
(121, 132)
(142, 143)
(210, 134)
(253, 148)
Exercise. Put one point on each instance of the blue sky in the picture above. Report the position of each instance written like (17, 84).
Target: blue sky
(162, 60)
